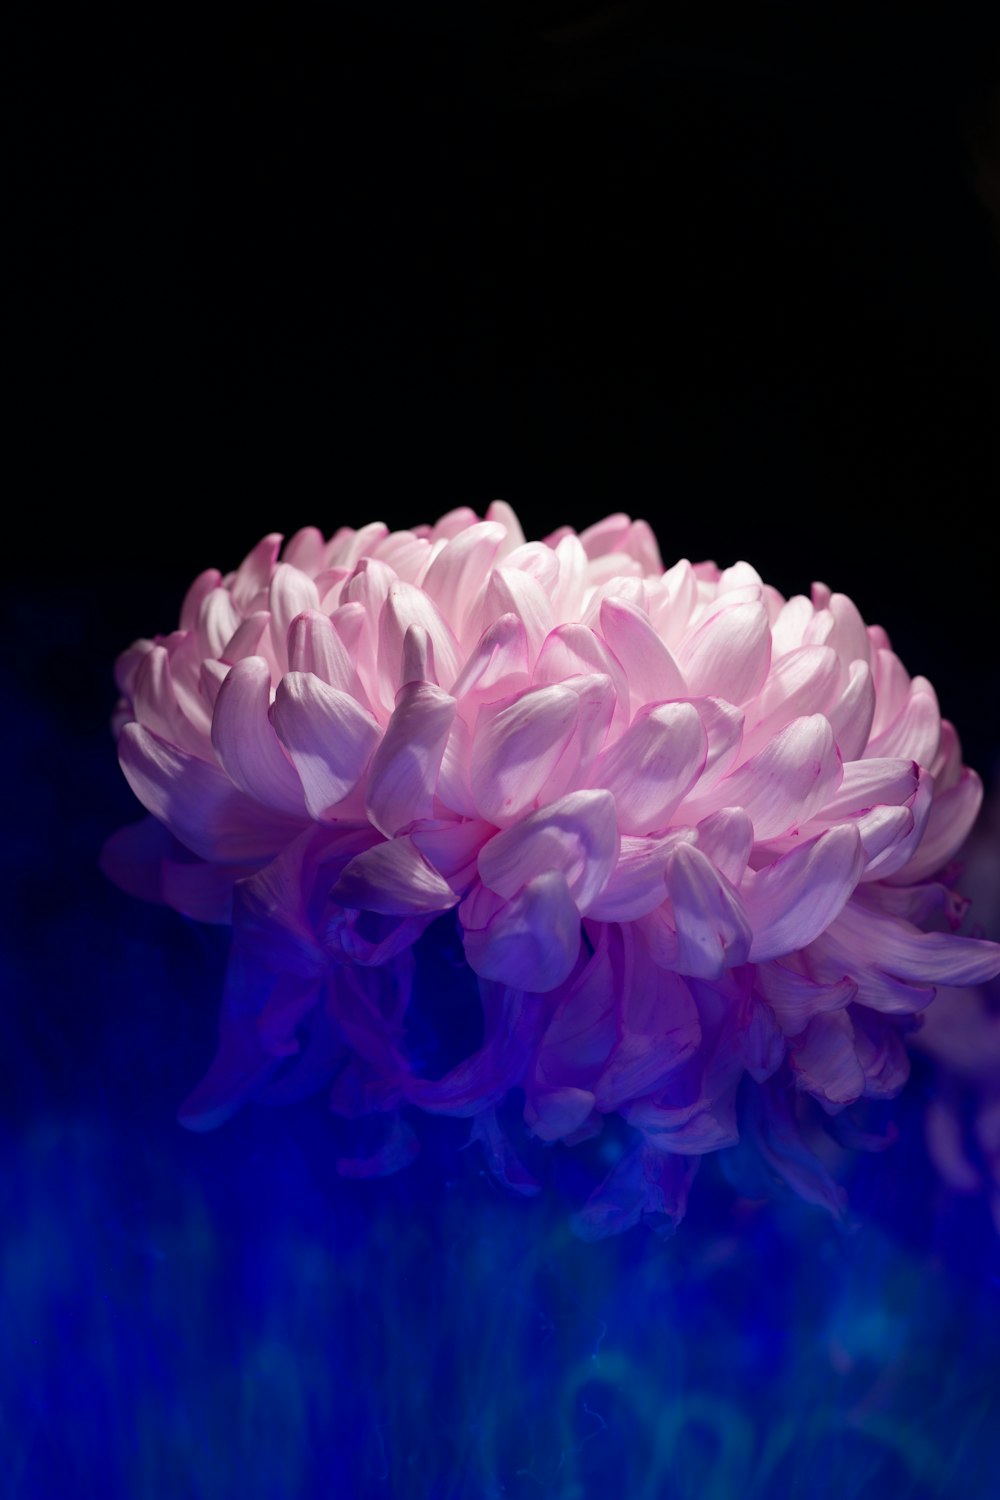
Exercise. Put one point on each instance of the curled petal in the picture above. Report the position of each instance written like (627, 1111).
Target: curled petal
(395, 879)
(533, 941)
(329, 737)
(792, 901)
(576, 835)
(246, 744)
(405, 767)
(517, 746)
(653, 766)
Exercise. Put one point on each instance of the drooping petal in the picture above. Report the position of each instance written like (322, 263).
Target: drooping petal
(198, 802)
(404, 769)
(329, 737)
(576, 835)
(653, 766)
(533, 941)
(713, 931)
(246, 744)
(395, 879)
(786, 782)
(792, 901)
(516, 748)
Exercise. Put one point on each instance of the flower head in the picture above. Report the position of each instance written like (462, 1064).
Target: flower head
(689, 831)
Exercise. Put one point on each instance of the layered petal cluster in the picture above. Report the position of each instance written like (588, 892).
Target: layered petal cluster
(691, 834)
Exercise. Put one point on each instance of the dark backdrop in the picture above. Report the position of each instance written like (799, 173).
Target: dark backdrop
(377, 260)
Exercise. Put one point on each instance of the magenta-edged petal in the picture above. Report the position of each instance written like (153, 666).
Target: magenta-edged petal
(246, 639)
(801, 682)
(290, 594)
(653, 766)
(726, 838)
(729, 655)
(795, 998)
(533, 941)
(155, 704)
(314, 646)
(653, 1046)
(644, 1184)
(328, 736)
(253, 575)
(605, 535)
(653, 674)
(405, 767)
(724, 733)
(596, 705)
(306, 550)
(871, 783)
(206, 581)
(498, 665)
(513, 592)
(454, 791)
(347, 546)
(792, 901)
(245, 741)
(713, 932)
(395, 879)
(851, 716)
(785, 783)
(950, 820)
(460, 570)
(637, 884)
(906, 953)
(576, 835)
(516, 748)
(574, 651)
(218, 620)
(916, 732)
(506, 516)
(198, 802)
(404, 607)
(881, 1052)
(824, 1060)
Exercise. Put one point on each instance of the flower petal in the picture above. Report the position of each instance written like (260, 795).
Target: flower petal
(405, 767)
(533, 941)
(328, 736)
(576, 835)
(653, 674)
(653, 766)
(792, 901)
(245, 741)
(787, 781)
(290, 593)
(517, 746)
(395, 879)
(198, 803)
(713, 932)
(729, 655)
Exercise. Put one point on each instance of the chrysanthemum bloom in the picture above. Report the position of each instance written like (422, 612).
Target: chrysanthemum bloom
(689, 831)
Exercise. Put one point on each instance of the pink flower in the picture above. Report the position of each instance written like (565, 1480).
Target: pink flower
(687, 828)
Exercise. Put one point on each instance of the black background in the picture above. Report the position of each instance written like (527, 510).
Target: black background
(736, 275)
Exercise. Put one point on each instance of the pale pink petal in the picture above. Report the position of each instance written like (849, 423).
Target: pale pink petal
(803, 681)
(404, 770)
(653, 766)
(851, 716)
(849, 637)
(606, 535)
(637, 885)
(729, 655)
(516, 748)
(726, 838)
(574, 651)
(533, 941)
(247, 637)
(892, 687)
(498, 665)
(871, 783)
(290, 593)
(906, 953)
(394, 878)
(949, 823)
(198, 802)
(347, 546)
(792, 901)
(787, 781)
(406, 605)
(245, 741)
(306, 550)
(155, 705)
(452, 848)
(788, 631)
(576, 835)
(653, 674)
(713, 932)
(513, 592)
(329, 737)
(252, 577)
(314, 646)
(210, 579)
(504, 514)
(218, 620)
(460, 571)
(916, 732)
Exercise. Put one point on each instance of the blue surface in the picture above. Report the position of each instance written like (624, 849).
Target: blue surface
(213, 1316)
